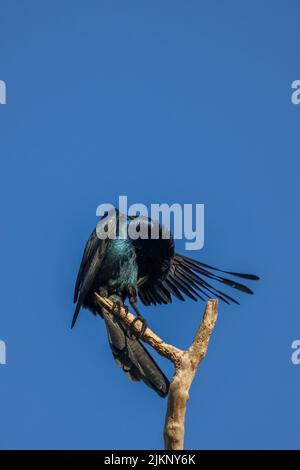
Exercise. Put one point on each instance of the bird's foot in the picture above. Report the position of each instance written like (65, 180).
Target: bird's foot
(103, 292)
(116, 307)
(126, 309)
(141, 333)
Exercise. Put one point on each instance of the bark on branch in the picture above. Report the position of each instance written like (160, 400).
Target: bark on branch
(186, 364)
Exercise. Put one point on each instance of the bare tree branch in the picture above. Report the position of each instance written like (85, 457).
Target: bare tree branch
(185, 370)
(186, 364)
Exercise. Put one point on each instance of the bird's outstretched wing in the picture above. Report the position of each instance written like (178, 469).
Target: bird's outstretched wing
(183, 279)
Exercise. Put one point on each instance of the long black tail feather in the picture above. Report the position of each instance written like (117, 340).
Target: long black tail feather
(133, 357)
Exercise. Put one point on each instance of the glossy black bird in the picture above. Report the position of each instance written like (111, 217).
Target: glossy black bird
(120, 266)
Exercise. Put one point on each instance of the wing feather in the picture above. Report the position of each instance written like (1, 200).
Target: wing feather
(89, 268)
(185, 277)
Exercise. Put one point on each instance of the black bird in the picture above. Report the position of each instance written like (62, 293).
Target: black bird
(120, 266)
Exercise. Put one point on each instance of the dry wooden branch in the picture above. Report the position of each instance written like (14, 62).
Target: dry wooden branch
(186, 364)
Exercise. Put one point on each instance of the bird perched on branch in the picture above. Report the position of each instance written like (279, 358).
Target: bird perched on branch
(134, 258)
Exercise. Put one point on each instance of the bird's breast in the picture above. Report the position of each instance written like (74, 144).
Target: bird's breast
(120, 264)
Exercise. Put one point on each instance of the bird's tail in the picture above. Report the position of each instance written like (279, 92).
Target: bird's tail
(132, 357)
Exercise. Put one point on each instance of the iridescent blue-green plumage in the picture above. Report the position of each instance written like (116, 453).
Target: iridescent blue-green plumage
(120, 264)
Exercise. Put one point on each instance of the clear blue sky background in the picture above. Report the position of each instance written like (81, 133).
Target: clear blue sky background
(167, 101)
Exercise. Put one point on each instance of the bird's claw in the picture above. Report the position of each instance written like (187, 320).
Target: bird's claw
(143, 328)
(126, 310)
(103, 292)
(116, 307)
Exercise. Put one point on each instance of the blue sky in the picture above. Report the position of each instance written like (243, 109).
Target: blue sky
(167, 101)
